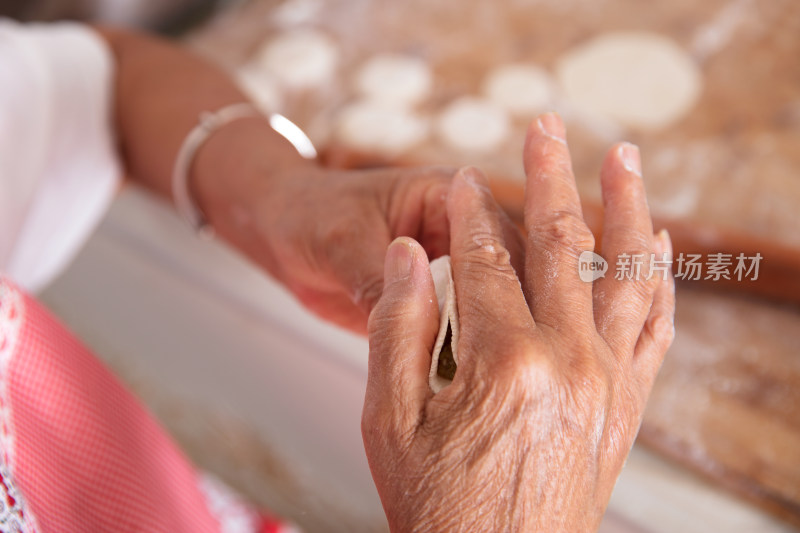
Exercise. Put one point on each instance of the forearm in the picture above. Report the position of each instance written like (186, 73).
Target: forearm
(160, 91)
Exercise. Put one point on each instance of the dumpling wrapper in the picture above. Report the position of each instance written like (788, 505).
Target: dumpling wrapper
(444, 358)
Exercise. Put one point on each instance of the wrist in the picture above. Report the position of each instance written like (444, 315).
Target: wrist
(243, 159)
(236, 181)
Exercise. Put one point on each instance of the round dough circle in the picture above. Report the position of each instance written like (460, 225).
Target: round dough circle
(473, 124)
(300, 59)
(642, 80)
(522, 89)
(395, 79)
(261, 87)
(373, 127)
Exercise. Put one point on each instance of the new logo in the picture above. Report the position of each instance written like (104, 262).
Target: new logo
(591, 266)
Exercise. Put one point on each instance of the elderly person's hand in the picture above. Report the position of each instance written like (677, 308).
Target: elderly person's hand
(324, 233)
(553, 372)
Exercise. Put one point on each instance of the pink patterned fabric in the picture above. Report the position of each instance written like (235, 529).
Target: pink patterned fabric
(80, 453)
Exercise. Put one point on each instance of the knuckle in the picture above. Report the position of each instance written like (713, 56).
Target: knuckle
(589, 373)
(534, 370)
(527, 363)
(563, 229)
(511, 358)
(486, 251)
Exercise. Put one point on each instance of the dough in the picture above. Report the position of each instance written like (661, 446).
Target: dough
(300, 59)
(523, 90)
(444, 358)
(261, 87)
(374, 127)
(642, 80)
(395, 79)
(294, 12)
(473, 124)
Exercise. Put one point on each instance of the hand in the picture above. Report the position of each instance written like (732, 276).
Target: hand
(322, 233)
(553, 372)
(327, 232)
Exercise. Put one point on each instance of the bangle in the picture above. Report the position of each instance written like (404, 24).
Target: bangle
(207, 125)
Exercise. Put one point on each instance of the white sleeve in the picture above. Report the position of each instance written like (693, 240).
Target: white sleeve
(58, 166)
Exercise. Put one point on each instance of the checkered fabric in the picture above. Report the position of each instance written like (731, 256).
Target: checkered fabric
(80, 452)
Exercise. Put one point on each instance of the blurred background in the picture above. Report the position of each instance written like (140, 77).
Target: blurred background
(267, 397)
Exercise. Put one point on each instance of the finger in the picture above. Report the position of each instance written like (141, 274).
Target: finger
(659, 328)
(515, 244)
(557, 233)
(402, 331)
(434, 230)
(415, 205)
(491, 305)
(623, 297)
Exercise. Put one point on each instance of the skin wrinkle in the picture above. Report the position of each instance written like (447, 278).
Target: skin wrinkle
(516, 501)
(619, 200)
(564, 230)
(543, 289)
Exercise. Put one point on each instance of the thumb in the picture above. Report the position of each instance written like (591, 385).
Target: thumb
(402, 331)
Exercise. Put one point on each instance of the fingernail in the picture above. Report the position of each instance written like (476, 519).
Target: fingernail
(552, 126)
(629, 155)
(398, 260)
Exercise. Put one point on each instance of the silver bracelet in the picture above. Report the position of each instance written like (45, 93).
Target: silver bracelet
(208, 124)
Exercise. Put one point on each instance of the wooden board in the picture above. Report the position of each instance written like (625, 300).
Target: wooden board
(726, 400)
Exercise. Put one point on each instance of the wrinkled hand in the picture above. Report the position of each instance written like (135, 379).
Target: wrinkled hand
(553, 372)
(322, 233)
(328, 231)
